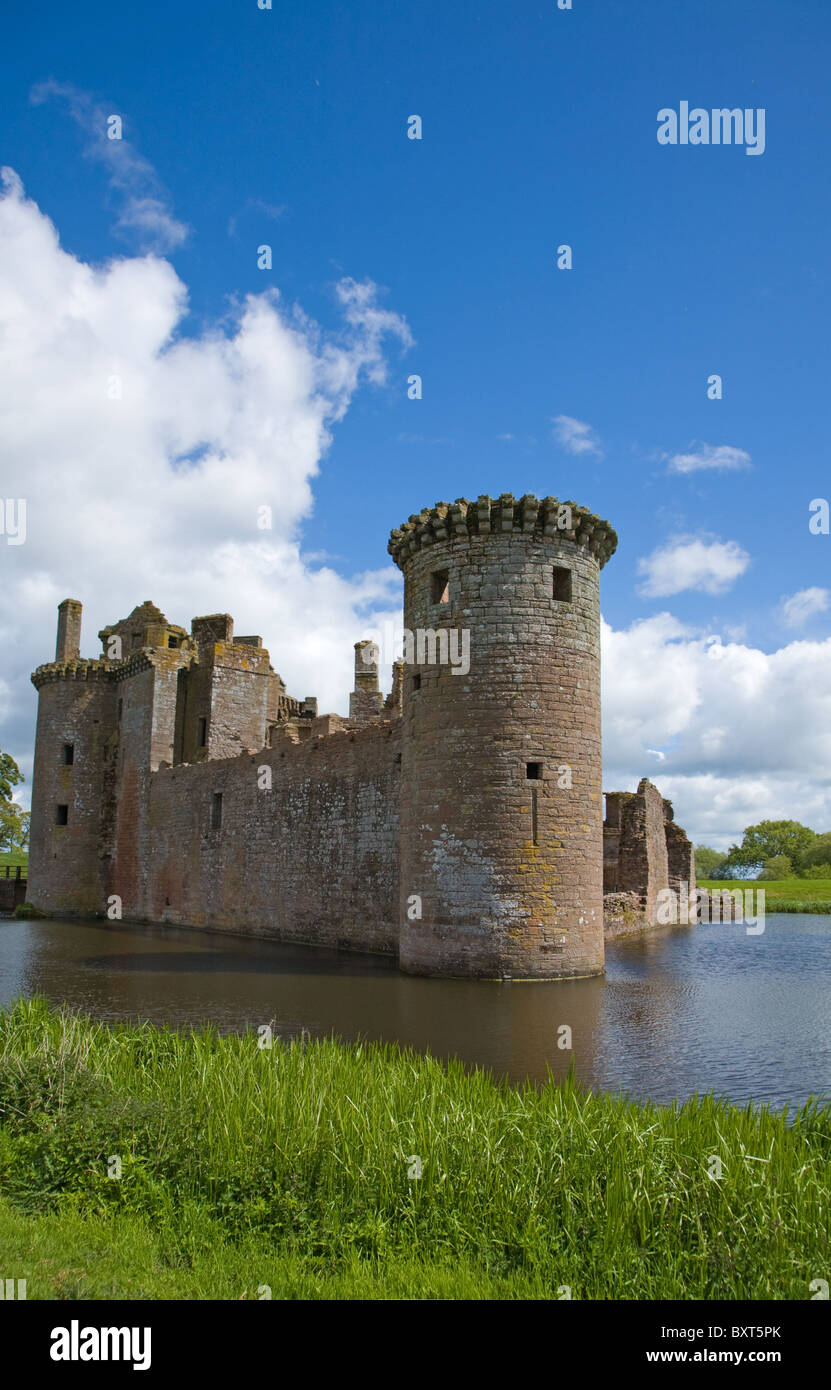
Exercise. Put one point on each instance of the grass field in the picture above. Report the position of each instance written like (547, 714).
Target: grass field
(297, 1168)
(13, 857)
(783, 895)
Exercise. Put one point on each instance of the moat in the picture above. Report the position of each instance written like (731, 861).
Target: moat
(680, 1010)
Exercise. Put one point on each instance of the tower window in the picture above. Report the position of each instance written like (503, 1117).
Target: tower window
(440, 586)
(562, 584)
(61, 815)
(172, 641)
(416, 682)
(68, 754)
(533, 771)
(216, 811)
(203, 732)
(120, 708)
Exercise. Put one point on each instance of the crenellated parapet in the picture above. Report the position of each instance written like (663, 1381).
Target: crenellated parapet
(496, 516)
(100, 668)
(80, 669)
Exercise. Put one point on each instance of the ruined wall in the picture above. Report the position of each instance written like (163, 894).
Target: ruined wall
(314, 859)
(644, 851)
(680, 853)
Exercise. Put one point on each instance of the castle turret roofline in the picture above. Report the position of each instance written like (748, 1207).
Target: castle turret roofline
(497, 515)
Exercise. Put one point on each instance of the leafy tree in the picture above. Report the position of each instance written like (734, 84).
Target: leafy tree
(14, 826)
(776, 868)
(768, 840)
(819, 852)
(817, 871)
(709, 862)
(10, 775)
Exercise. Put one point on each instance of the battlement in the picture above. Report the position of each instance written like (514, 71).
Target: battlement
(501, 515)
(79, 669)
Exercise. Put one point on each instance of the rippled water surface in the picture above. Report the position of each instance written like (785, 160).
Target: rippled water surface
(683, 1010)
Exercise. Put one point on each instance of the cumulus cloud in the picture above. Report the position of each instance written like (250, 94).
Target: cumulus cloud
(719, 456)
(147, 458)
(575, 436)
(747, 733)
(145, 215)
(692, 562)
(804, 605)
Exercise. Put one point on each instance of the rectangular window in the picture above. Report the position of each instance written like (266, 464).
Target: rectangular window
(120, 707)
(562, 584)
(173, 641)
(68, 754)
(416, 682)
(216, 811)
(440, 586)
(533, 771)
(62, 815)
(203, 733)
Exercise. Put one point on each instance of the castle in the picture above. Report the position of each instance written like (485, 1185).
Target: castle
(456, 823)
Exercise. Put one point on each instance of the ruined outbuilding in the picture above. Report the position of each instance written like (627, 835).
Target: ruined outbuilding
(644, 852)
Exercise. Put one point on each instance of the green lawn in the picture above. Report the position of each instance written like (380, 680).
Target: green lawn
(784, 894)
(297, 1168)
(13, 857)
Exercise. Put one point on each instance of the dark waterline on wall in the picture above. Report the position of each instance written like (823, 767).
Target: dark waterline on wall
(680, 1011)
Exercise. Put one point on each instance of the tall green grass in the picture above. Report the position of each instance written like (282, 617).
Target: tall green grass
(299, 1158)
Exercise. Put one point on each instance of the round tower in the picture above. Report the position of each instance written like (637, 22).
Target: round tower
(71, 765)
(501, 796)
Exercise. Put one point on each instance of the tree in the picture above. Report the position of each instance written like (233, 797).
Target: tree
(709, 862)
(778, 867)
(819, 852)
(817, 871)
(769, 839)
(10, 775)
(14, 826)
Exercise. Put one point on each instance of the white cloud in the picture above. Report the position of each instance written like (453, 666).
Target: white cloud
(719, 456)
(146, 215)
(800, 607)
(575, 436)
(747, 733)
(692, 562)
(113, 519)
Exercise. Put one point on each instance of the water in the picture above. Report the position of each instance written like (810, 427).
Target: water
(684, 1009)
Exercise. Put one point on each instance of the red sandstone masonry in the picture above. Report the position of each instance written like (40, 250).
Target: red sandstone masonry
(314, 859)
(494, 902)
(423, 798)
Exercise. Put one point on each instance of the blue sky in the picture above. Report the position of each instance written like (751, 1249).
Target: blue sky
(289, 127)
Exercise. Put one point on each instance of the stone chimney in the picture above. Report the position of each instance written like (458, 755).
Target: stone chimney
(68, 645)
(365, 701)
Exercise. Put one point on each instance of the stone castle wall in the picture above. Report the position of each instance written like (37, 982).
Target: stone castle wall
(313, 858)
(644, 853)
(456, 823)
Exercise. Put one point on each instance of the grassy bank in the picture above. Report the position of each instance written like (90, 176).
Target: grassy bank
(13, 857)
(782, 895)
(295, 1168)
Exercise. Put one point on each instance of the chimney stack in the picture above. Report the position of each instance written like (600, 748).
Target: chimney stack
(68, 645)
